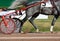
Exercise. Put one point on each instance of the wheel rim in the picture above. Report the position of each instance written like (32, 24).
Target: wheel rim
(10, 28)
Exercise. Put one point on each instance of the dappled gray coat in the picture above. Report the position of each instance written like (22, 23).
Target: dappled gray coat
(58, 5)
(30, 11)
(34, 9)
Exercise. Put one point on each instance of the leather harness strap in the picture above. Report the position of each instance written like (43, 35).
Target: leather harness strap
(54, 6)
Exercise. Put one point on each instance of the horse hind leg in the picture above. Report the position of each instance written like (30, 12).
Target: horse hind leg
(31, 20)
(53, 22)
(20, 29)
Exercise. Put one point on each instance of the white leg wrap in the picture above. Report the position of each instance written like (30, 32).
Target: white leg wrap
(22, 32)
(51, 29)
(17, 16)
(22, 17)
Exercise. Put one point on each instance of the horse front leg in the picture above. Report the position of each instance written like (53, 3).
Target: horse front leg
(53, 22)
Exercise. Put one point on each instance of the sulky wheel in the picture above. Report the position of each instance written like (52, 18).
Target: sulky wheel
(9, 28)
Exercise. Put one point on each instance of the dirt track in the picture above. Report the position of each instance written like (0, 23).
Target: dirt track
(44, 36)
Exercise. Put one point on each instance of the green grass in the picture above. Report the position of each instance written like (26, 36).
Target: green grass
(43, 25)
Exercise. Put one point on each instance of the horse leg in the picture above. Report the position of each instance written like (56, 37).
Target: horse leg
(32, 22)
(20, 29)
(22, 22)
(19, 25)
(53, 22)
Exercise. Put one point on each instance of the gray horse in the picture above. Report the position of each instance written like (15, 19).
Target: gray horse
(29, 11)
(33, 12)
(55, 11)
(49, 11)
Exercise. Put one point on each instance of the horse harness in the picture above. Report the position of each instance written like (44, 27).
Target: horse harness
(54, 6)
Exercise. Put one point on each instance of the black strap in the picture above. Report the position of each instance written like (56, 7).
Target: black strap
(54, 6)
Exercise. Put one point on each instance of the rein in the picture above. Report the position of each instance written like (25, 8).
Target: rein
(32, 5)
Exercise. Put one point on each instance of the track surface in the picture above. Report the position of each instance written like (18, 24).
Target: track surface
(42, 36)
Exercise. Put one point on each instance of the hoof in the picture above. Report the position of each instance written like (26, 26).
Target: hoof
(51, 31)
(21, 32)
(54, 32)
(37, 30)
